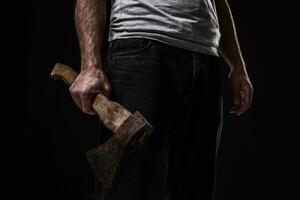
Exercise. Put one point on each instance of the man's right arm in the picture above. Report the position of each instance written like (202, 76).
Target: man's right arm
(90, 18)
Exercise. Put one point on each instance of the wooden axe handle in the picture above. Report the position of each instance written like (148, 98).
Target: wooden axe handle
(111, 113)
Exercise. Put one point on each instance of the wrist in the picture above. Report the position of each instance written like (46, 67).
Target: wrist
(91, 69)
(238, 65)
(91, 64)
(241, 70)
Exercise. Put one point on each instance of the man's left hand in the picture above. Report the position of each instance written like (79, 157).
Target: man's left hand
(242, 90)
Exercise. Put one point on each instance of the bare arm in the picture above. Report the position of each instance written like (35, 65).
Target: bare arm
(230, 50)
(90, 18)
(229, 45)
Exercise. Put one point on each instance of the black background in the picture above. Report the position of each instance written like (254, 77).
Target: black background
(258, 155)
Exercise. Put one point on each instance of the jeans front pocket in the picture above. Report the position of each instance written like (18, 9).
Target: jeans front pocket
(129, 46)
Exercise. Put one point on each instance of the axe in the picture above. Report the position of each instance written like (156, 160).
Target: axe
(129, 131)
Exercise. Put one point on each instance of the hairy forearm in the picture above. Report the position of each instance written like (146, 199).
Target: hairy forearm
(90, 19)
(229, 46)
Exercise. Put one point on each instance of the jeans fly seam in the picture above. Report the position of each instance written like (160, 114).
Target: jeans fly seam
(194, 70)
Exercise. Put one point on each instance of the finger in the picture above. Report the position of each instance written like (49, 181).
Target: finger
(106, 89)
(237, 103)
(234, 109)
(76, 97)
(87, 102)
(236, 95)
(247, 101)
(242, 96)
(236, 99)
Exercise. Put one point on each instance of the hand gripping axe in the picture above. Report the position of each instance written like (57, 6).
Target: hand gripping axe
(129, 131)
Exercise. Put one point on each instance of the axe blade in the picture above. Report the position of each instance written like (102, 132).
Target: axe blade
(107, 158)
(105, 161)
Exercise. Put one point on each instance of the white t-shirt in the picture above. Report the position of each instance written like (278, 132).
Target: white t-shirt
(187, 24)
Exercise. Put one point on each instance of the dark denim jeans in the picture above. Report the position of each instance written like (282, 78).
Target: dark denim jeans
(179, 93)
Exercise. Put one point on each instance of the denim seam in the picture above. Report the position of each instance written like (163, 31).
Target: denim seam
(194, 70)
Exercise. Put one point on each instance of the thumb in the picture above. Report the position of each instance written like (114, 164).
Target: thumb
(236, 95)
(236, 98)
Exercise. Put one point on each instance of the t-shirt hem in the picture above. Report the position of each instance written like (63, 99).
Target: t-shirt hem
(184, 44)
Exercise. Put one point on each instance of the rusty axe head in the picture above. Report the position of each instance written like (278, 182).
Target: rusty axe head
(107, 158)
(129, 131)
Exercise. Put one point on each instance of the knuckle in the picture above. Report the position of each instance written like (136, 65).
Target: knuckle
(87, 110)
(71, 89)
(84, 95)
(74, 90)
(107, 88)
(84, 110)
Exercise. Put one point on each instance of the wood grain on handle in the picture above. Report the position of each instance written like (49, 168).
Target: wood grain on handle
(64, 73)
(111, 113)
